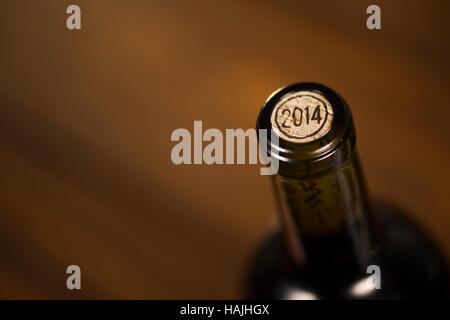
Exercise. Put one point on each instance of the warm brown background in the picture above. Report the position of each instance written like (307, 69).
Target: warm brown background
(86, 118)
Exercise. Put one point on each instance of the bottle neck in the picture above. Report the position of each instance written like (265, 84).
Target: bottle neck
(319, 185)
(325, 217)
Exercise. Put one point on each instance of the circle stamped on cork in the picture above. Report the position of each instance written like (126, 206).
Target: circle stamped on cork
(302, 117)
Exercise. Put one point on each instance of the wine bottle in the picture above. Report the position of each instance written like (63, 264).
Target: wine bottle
(331, 243)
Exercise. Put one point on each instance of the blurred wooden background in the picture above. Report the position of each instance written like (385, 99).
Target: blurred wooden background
(86, 118)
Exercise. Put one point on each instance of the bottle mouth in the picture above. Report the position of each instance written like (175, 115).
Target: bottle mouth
(302, 116)
(314, 127)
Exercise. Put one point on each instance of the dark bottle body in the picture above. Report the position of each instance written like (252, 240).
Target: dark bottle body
(331, 244)
(410, 265)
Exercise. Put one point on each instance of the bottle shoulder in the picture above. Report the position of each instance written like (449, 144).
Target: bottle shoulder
(409, 265)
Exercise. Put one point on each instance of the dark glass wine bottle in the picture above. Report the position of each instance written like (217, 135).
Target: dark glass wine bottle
(331, 243)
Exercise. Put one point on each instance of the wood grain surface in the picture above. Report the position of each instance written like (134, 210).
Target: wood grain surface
(86, 117)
